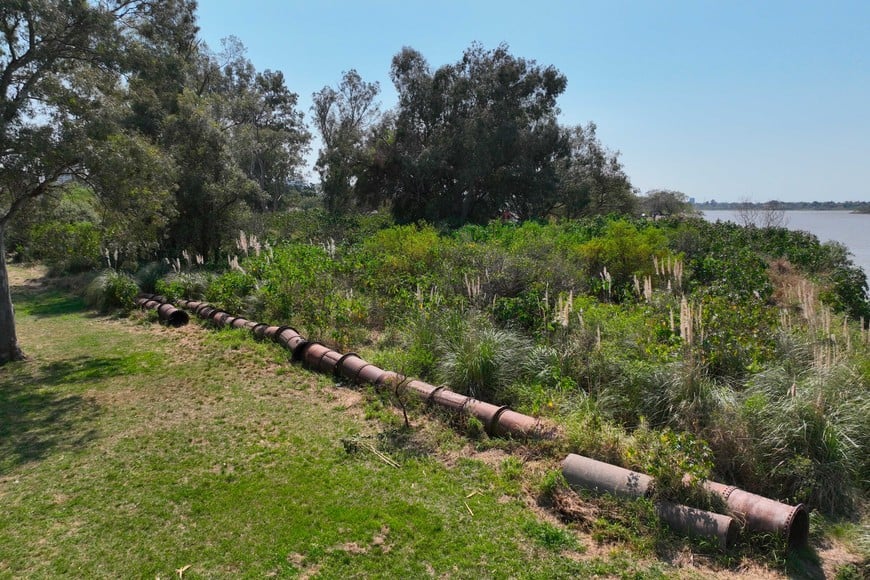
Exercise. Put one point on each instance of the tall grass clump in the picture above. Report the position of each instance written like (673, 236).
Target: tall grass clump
(809, 434)
(483, 361)
(112, 290)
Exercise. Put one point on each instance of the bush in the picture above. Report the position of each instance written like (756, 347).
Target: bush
(186, 285)
(67, 247)
(229, 292)
(112, 291)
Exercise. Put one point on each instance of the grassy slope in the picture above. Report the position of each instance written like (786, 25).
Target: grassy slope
(134, 450)
(131, 450)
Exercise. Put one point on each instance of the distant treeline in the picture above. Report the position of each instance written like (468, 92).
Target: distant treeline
(855, 206)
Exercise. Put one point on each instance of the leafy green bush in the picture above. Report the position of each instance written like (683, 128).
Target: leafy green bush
(67, 247)
(112, 290)
(228, 291)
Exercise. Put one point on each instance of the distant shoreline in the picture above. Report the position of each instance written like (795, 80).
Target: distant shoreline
(862, 207)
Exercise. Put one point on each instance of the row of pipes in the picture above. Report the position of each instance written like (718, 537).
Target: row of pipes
(755, 512)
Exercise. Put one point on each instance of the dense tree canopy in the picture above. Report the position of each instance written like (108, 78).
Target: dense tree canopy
(469, 140)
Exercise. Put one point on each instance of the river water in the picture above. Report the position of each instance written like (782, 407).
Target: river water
(850, 229)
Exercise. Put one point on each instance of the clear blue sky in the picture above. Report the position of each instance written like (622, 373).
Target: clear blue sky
(721, 100)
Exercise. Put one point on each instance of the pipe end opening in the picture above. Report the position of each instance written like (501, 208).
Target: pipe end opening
(799, 527)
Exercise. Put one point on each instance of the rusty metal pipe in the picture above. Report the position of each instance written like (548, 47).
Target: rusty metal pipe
(312, 353)
(370, 374)
(486, 413)
(389, 379)
(695, 522)
(328, 363)
(172, 315)
(762, 514)
(165, 311)
(239, 323)
(285, 336)
(350, 365)
(598, 476)
(586, 473)
(510, 422)
(449, 399)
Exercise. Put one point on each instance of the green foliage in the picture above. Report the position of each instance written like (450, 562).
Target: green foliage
(624, 251)
(67, 247)
(484, 361)
(669, 456)
(228, 292)
(194, 286)
(112, 290)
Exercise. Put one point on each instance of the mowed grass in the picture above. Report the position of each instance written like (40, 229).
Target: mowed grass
(128, 449)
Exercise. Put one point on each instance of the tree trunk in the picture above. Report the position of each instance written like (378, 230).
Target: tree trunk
(9, 350)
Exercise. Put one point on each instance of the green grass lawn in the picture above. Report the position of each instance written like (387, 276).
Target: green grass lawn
(132, 450)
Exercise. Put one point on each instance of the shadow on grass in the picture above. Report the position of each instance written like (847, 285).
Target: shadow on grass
(35, 421)
(46, 304)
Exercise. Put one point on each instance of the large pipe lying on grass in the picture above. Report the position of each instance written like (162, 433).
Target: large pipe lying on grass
(583, 472)
(763, 514)
(499, 421)
(165, 311)
(757, 513)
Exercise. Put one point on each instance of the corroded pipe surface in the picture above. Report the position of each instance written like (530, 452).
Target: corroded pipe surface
(517, 424)
(167, 312)
(350, 365)
(449, 399)
(598, 476)
(285, 336)
(389, 379)
(329, 361)
(271, 332)
(420, 388)
(312, 353)
(694, 522)
(762, 514)
(239, 322)
(370, 374)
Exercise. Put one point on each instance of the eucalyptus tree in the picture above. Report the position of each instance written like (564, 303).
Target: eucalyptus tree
(470, 140)
(237, 139)
(62, 71)
(344, 117)
(592, 180)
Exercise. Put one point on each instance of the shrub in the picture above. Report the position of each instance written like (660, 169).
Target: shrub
(187, 285)
(148, 276)
(229, 291)
(112, 290)
(67, 247)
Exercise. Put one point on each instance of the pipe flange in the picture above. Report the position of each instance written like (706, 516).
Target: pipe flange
(431, 397)
(490, 427)
(728, 491)
(297, 353)
(337, 368)
(303, 348)
(280, 330)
